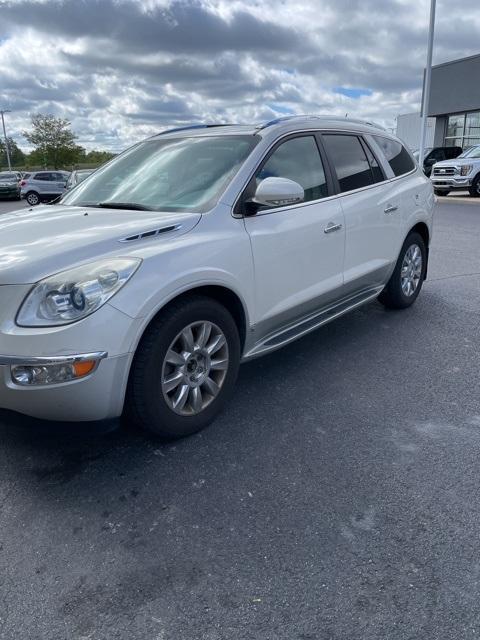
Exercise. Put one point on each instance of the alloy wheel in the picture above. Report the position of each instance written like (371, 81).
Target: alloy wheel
(33, 199)
(194, 368)
(411, 270)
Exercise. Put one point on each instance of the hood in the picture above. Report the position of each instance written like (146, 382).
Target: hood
(455, 162)
(36, 243)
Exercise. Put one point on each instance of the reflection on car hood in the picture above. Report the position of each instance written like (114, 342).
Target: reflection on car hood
(456, 162)
(36, 243)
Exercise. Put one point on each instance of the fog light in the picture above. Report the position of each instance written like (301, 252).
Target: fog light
(29, 375)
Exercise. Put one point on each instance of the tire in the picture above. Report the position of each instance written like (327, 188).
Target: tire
(475, 188)
(441, 192)
(150, 400)
(32, 198)
(395, 295)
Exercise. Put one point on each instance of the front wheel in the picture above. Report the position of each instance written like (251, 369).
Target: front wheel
(407, 278)
(475, 188)
(184, 369)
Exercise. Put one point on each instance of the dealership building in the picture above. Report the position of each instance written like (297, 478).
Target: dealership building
(455, 102)
(454, 108)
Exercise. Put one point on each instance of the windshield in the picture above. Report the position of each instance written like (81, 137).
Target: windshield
(180, 174)
(8, 176)
(473, 152)
(81, 175)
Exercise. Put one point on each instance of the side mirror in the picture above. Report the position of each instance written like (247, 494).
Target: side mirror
(278, 192)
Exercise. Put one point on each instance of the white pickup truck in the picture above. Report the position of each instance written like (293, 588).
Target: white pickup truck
(462, 173)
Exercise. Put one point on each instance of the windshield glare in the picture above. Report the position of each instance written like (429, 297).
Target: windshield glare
(8, 176)
(473, 152)
(180, 174)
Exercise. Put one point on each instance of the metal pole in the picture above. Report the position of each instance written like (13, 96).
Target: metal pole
(426, 87)
(6, 141)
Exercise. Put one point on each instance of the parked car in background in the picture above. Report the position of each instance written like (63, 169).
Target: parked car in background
(150, 292)
(437, 154)
(10, 184)
(41, 186)
(77, 176)
(461, 174)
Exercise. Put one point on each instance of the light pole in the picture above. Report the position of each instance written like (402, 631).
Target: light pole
(426, 86)
(5, 136)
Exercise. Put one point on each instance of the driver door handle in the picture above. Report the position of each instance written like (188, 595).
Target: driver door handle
(331, 226)
(390, 208)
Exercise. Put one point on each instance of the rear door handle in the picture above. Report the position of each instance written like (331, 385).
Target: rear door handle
(331, 226)
(390, 208)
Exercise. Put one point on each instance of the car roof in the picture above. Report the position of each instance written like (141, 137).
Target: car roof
(272, 128)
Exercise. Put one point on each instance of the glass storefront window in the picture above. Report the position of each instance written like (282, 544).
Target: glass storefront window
(453, 142)
(463, 130)
(472, 125)
(456, 126)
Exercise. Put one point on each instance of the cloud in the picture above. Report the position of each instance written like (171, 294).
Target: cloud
(123, 69)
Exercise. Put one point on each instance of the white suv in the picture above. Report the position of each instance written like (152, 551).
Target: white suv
(199, 248)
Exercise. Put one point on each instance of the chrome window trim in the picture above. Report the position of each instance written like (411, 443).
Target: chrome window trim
(327, 198)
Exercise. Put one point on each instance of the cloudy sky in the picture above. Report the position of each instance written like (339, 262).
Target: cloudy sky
(123, 69)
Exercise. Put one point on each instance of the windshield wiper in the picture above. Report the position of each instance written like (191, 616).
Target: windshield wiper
(122, 205)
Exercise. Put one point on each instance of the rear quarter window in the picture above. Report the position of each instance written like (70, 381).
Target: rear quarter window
(397, 156)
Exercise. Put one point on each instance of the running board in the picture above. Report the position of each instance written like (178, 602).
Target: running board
(310, 323)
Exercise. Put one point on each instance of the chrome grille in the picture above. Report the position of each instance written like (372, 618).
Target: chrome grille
(444, 171)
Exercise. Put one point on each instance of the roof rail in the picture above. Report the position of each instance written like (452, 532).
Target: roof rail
(192, 126)
(264, 125)
(361, 121)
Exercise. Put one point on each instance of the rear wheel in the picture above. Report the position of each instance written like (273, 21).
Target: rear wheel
(32, 198)
(407, 278)
(475, 188)
(184, 369)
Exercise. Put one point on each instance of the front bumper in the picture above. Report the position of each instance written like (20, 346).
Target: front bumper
(451, 182)
(97, 396)
(10, 193)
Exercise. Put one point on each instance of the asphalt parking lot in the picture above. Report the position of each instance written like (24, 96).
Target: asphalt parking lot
(338, 497)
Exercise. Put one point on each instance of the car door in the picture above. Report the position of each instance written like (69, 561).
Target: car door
(59, 183)
(372, 208)
(40, 183)
(298, 250)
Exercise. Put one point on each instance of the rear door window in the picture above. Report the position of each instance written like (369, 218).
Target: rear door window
(437, 155)
(397, 156)
(350, 161)
(452, 152)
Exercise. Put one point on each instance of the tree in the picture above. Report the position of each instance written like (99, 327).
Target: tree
(17, 157)
(53, 140)
(98, 157)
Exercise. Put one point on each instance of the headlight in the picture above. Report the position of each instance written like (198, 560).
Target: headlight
(74, 294)
(465, 169)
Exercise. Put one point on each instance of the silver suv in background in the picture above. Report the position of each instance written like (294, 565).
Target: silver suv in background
(43, 185)
(462, 173)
